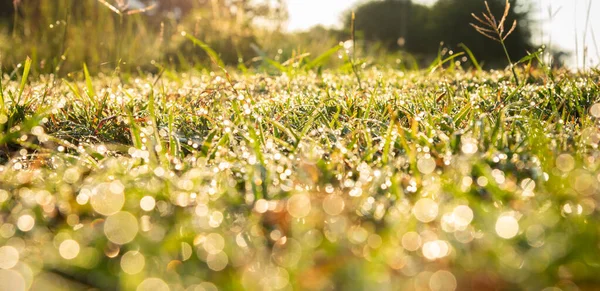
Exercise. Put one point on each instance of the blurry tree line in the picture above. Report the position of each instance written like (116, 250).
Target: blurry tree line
(61, 35)
(402, 25)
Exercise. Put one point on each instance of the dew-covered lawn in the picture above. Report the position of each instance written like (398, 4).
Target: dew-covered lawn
(196, 181)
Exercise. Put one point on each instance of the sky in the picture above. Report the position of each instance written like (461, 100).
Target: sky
(565, 30)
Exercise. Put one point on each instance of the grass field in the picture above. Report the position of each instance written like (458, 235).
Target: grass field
(378, 179)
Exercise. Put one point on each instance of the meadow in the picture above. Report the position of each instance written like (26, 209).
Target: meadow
(447, 179)
(341, 170)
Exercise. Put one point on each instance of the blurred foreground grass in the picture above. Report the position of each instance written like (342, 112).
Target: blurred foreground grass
(198, 181)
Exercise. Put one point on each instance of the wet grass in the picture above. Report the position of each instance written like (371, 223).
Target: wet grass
(194, 181)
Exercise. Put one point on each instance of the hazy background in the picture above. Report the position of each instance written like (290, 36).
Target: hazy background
(565, 30)
(62, 35)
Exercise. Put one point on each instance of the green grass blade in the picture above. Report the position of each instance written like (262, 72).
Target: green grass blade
(73, 88)
(323, 58)
(440, 63)
(471, 56)
(24, 78)
(207, 49)
(88, 82)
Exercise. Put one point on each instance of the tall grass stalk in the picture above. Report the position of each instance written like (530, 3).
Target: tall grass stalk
(493, 29)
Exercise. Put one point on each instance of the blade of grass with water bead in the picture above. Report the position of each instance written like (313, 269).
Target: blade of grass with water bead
(443, 61)
(462, 115)
(287, 130)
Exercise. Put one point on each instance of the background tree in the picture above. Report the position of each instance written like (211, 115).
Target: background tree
(446, 21)
(453, 17)
(61, 35)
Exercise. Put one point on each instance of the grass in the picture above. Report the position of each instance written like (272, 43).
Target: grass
(438, 179)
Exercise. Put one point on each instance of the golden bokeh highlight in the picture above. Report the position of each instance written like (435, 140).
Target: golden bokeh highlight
(218, 261)
(153, 284)
(436, 249)
(121, 228)
(25, 222)
(565, 162)
(213, 243)
(69, 249)
(133, 262)
(11, 280)
(299, 205)
(425, 210)
(507, 226)
(147, 203)
(411, 241)
(333, 204)
(442, 281)
(595, 110)
(426, 165)
(463, 215)
(9, 257)
(107, 200)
